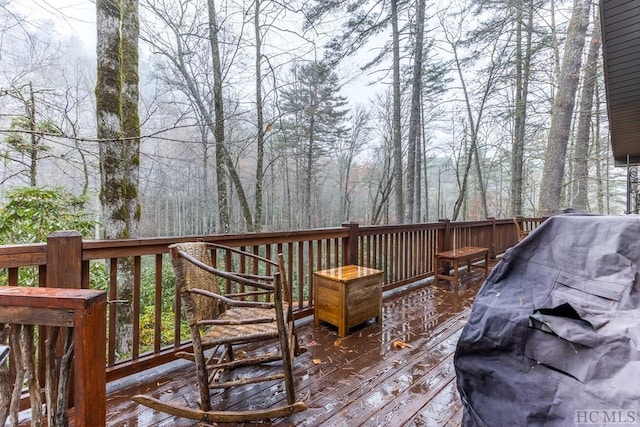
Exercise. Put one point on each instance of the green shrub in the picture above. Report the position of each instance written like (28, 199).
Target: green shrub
(30, 214)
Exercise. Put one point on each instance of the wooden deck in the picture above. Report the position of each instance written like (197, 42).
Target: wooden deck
(361, 379)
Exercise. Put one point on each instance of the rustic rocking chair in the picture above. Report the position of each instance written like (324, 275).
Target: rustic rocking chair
(260, 311)
(520, 230)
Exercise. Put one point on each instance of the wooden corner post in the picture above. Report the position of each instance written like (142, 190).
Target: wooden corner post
(350, 246)
(64, 260)
(444, 241)
(492, 243)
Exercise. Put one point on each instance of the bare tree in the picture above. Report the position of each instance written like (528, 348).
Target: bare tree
(27, 139)
(365, 20)
(380, 182)
(580, 185)
(601, 176)
(397, 131)
(222, 157)
(494, 54)
(75, 117)
(556, 152)
(346, 151)
(260, 125)
(415, 114)
(522, 79)
(188, 72)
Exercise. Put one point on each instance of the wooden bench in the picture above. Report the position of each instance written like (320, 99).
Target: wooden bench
(455, 257)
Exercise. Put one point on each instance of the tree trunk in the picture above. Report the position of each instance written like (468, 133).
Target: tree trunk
(130, 157)
(208, 204)
(130, 118)
(222, 154)
(425, 172)
(554, 40)
(474, 126)
(109, 130)
(580, 186)
(523, 71)
(555, 156)
(414, 119)
(218, 128)
(108, 110)
(260, 123)
(309, 170)
(33, 152)
(462, 186)
(599, 155)
(419, 167)
(397, 134)
(481, 184)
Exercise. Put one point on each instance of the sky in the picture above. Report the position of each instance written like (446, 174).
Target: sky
(78, 17)
(72, 17)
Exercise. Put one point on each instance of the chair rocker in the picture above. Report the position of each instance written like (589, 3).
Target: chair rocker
(259, 309)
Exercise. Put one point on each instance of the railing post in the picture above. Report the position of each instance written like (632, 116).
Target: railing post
(519, 223)
(492, 241)
(89, 376)
(444, 243)
(84, 311)
(64, 259)
(350, 248)
(64, 270)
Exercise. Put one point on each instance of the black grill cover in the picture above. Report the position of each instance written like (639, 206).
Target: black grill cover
(553, 338)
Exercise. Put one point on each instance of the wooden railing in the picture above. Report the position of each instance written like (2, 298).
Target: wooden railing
(65, 321)
(404, 252)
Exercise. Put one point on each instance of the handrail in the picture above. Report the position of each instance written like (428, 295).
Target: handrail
(404, 252)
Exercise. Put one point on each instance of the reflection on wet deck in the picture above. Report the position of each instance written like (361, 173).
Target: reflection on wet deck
(361, 379)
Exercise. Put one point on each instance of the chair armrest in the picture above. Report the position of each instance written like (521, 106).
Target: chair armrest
(243, 253)
(236, 322)
(225, 274)
(249, 294)
(232, 302)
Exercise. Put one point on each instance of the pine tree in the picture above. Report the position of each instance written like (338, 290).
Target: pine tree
(313, 123)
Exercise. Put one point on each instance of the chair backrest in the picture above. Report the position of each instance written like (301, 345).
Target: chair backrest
(189, 276)
(286, 286)
(521, 232)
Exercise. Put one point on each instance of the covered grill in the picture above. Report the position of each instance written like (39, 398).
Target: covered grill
(554, 334)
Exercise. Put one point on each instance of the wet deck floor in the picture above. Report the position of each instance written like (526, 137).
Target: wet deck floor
(362, 379)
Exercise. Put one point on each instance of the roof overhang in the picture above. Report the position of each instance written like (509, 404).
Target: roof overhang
(620, 20)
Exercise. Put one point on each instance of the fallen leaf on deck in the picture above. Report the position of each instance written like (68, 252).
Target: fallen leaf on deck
(401, 344)
(316, 361)
(337, 342)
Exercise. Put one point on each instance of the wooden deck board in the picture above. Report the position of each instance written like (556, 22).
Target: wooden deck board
(361, 379)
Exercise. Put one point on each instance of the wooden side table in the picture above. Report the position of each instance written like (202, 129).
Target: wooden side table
(347, 296)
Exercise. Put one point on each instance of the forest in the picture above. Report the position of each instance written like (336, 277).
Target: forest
(187, 117)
